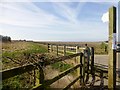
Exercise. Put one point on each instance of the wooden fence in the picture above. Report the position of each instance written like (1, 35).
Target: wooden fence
(87, 70)
(64, 49)
(39, 66)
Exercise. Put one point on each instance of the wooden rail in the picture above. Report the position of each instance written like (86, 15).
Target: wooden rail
(64, 49)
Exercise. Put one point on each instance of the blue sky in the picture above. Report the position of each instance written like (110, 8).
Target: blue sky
(55, 21)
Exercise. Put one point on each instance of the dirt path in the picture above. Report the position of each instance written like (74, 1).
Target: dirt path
(103, 59)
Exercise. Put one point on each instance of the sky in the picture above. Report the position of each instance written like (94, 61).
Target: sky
(55, 21)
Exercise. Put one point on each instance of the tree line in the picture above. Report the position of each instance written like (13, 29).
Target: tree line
(5, 38)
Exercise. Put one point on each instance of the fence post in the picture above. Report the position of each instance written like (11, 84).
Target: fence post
(112, 49)
(81, 69)
(76, 59)
(92, 65)
(57, 49)
(102, 80)
(51, 48)
(64, 50)
(34, 77)
(41, 75)
(77, 49)
(48, 48)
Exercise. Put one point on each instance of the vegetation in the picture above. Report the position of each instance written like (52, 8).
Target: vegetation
(101, 48)
(18, 52)
(61, 66)
(5, 38)
(15, 54)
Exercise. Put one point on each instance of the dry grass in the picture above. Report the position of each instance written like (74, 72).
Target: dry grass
(17, 52)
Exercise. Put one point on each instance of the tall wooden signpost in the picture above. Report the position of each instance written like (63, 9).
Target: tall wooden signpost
(112, 49)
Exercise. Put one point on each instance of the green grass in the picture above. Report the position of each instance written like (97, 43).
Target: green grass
(61, 66)
(31, 49)
(18, 82)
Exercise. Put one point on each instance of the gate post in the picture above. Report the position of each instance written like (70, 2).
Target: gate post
(112, 49)
(92, 65)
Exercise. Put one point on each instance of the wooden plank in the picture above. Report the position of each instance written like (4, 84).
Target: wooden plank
(98, 69)
(67, 87)
(54, 60)
(112, 51)
(16, 71)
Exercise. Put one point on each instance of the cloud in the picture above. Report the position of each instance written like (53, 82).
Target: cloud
(25, 14)
(28, 20)
(105, 17)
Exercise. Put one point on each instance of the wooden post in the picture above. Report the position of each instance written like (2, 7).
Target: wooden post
(48, 48)
(51, 48)
(118, 57)
(112, 49)
(64, 50)
(34, 77)
(81, 69)
(102, 81)
(41, 75)
(76, 59)
(92, 65)
(57, 49)
(77, 49)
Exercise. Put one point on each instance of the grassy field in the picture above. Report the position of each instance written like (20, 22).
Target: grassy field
(16, 54)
